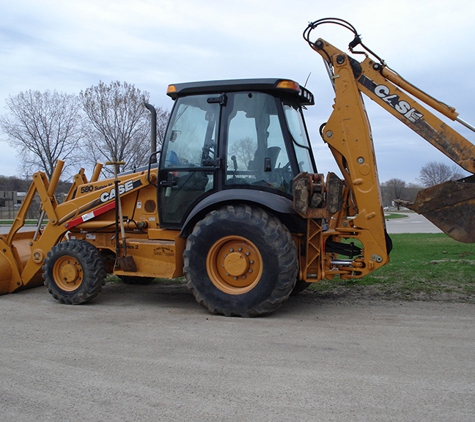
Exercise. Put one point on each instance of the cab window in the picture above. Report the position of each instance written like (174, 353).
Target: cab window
(256, 151)
(300, 141)
(191, 138)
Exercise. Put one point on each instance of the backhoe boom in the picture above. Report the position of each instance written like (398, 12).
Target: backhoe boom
(449, 206)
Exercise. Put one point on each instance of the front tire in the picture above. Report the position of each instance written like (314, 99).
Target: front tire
(240, 261)
(74, 272)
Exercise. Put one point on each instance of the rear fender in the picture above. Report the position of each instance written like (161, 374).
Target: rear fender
(279, 205)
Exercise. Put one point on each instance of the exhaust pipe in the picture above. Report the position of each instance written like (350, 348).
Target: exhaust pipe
(153, 132)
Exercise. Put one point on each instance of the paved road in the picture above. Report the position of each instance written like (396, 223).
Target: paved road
(413, 223)
(150, 353)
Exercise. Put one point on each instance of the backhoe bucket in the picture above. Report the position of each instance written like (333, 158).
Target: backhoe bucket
(450, 206)
(13, 259)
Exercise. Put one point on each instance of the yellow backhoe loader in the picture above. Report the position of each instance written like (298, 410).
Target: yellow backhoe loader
(235, 202)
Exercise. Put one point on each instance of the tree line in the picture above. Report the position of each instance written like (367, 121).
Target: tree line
(431, 174)
(103, 123)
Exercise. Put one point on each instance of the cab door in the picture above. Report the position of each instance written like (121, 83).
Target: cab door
(189, 160)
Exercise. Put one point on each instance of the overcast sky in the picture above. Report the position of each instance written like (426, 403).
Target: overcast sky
(69, 46)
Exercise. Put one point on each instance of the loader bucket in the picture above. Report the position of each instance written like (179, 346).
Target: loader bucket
(5, 274)
(451, 207)
(12, 261)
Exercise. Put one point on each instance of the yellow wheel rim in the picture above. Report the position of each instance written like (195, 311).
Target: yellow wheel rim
(67, 273)
(234, 265)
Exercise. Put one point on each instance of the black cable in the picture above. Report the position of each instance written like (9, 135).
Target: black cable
(320, 130)
(355, 42)
(336, 21)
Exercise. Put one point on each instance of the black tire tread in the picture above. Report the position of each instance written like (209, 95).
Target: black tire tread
(93, 266)
(274, 233)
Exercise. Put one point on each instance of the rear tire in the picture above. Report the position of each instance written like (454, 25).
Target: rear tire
(240, 261)
(74, 272)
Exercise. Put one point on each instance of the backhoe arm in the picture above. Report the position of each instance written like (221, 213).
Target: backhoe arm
(450, 205)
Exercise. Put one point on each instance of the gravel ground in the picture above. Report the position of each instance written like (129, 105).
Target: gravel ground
(150, 353)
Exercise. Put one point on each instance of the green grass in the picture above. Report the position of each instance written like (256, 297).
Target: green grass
(394, 215)
(423, 266)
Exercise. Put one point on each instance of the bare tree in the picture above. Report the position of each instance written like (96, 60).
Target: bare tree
(118, 124)
(243, 149)
(411, 190)
(393, 189)
(434, 173)
(43, 127)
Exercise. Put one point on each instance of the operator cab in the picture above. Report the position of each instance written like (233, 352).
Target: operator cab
(235, 134)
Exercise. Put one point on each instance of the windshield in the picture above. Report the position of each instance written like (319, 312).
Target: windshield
(300, 140)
